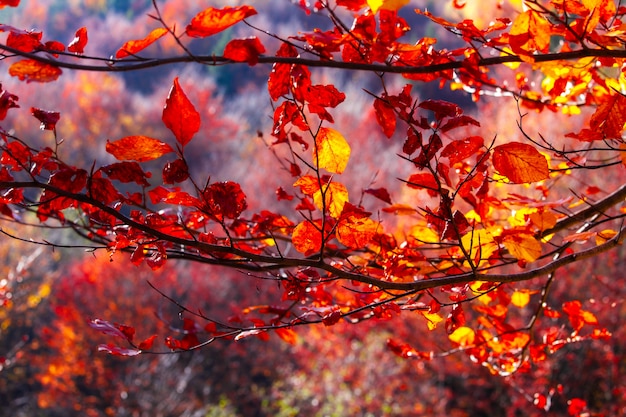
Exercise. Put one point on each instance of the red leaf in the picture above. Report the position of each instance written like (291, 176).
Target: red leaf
(30, 70)
(576, 406)
(79, 42)
(211, 21)
(10, 3)
(441, 108)
(244, 50)
(47, 118)
(173, 196)
(385, 116)
(176, 171)
(413, 141)
(138, 148)
(127, 172)
(7, 101)
(379, 193)
(132, 47)
(459, 150)
(223, 200)
(118, 351)
(179, 115)
(278, 83)
(424, 180)
(147, 344)
(24, 41)
(105, 327)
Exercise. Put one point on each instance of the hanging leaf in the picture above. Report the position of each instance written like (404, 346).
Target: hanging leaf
(244, 50)
(48, 119)
(132, 47)
(7, 101)
(520, 163)
(223, 199)
(530, 33)
(306, 238)
(79, 42)
(180, 115)
(30, 70)
(385, 116)
(138, 148)
(331, 151)
(211, 21)
(278, 82)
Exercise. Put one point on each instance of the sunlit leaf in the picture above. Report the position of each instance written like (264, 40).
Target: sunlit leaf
(10, 3)
(522, 246)
(30, 70)
(244, 50)
(331, 151)
(138, 148)
(132, 47)
(530, 33)
(459, 150)
(306, 238)
(520, 163)
(180, 115)
(479, 245)
(147, 344)
(520, 298)
(288, 335)
(333, 198)
(432, 319)
(211, 21)
(79, 42)
(356, 232)
(462, 336)
(393, 5)
(7, 101)
(610, 117)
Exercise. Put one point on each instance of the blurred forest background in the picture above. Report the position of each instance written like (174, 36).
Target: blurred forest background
(49, 365)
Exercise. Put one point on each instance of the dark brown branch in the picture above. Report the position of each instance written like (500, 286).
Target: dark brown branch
(115, 65)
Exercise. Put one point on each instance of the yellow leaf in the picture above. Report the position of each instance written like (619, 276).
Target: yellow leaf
(392, 5)
(462, 336)
(479, 244)
(424, 234)
(604, 236)
(336, 196)
(331, 151)
(520, 298)
(523, 246)
(432, 319)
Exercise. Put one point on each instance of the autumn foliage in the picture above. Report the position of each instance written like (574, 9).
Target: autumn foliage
(471, 232)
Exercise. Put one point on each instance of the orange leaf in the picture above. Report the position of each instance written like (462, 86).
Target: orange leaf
(306, 238)
(609, 117)
(288, 335)
(211, 21)
(331, 151)
(79, 42)
(30, 70)
(179, 115)
(137, 148)
(356, 232)
(132, 47)
(244, 50)
(393, 5)
(530, 33)
(520, 163)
